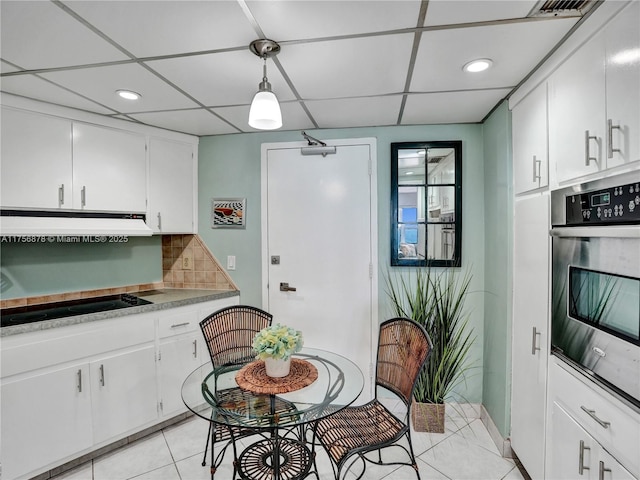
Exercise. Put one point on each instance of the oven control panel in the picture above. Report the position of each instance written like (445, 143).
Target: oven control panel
(619, 204)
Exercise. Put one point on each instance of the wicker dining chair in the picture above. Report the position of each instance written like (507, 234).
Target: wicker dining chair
(403, 348)
(229, 334)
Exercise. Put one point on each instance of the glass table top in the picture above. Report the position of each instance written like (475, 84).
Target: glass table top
(214, 395)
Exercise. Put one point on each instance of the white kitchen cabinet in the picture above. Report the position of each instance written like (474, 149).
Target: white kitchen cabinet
(577, 455)
(622, 47)
(36, 160)
(123, 392)
(597, 84)
(530, 141)
(180, 351)
(172, 187)
(577, 112)
(109, 169)
(530, 332)
(46, 417)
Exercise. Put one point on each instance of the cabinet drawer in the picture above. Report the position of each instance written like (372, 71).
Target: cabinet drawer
(178, 321)
(614, 425)
(45, 348)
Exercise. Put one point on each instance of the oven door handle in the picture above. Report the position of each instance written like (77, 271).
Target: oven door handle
(614, 231)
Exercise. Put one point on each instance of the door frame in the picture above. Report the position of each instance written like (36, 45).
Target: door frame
(371, 143)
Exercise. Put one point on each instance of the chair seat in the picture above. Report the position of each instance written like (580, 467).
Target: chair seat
(365, 427)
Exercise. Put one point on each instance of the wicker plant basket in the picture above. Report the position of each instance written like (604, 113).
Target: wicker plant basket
(427, 417)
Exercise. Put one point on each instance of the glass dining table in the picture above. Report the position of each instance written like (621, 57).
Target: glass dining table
(280, 411)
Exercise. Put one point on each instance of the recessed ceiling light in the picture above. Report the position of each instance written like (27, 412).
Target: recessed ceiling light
(479, 65)
(128, 94)
(409, 173)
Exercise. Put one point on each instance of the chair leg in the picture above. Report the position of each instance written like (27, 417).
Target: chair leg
(414, 462)
(206, 447)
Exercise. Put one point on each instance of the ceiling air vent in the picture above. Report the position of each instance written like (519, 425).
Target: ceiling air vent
(561, 8)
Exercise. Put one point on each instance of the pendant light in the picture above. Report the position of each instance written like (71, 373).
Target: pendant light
(265, 110)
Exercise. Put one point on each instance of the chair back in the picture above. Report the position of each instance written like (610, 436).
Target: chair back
(403, 348)
(229, 333)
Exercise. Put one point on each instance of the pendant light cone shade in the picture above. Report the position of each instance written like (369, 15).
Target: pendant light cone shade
(265, 113)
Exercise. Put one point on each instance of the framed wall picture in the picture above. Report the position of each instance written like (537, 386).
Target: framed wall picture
(228, 212)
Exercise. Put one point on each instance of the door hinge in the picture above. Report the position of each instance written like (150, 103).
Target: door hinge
(371, 270)
(160, 407)
(370, 166)
(159, 356)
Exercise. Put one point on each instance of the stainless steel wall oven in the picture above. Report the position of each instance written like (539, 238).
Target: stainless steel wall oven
(596, 281)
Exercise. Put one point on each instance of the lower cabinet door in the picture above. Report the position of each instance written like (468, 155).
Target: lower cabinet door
(573, 454)
(45, 419)
(123, 393)
(177, 359)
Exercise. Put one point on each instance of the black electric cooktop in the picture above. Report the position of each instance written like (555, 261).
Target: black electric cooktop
(38, 313)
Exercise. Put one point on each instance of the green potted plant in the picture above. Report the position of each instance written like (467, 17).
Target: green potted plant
(275, 344)
(435, 301)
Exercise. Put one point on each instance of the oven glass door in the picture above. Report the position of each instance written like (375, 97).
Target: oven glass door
(608, 302)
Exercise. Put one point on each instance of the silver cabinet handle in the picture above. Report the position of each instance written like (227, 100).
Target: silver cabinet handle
(610, 149)
(61, 194)
(177, 325)
(159, 221)
(534, 348)
(592, 414)
(581, 466)
(79, 380)
(602, 470)
(83, 196)
(195, 349)
(102, 375)
(537, 169)
(587, 158)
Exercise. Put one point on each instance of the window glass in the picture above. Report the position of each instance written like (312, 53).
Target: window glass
(426, 194)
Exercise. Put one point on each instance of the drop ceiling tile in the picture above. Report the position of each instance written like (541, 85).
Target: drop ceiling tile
(38, 34)
(443, 53)
(149, 28)
(195, 122)
(351, 67)
(447, 12)
(451, 107)
(37, 88)
(222, 79)
(293, 117)
(101, 83)
(286, 20)
(355, 112)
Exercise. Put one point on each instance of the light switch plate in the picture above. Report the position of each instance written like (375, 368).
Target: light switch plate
(231, 262)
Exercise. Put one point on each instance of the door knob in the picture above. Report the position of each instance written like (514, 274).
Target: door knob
(284, 287)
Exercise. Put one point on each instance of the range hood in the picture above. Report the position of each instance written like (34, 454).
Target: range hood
(45, 223)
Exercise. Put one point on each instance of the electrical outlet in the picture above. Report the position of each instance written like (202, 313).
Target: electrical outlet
(187, 263)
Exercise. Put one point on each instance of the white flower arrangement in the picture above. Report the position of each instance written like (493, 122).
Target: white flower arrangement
(277, 341)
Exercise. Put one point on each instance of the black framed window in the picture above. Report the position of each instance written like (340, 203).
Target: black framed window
(426, 203)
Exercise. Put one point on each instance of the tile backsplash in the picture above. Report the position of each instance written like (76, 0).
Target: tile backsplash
(188, 263)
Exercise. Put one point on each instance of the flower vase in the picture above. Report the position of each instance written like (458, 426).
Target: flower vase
(277, 367)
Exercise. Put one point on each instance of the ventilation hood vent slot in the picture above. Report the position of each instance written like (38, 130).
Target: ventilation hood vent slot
(45, 223)
(561, 8)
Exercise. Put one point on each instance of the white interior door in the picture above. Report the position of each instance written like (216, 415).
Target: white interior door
(320, 237)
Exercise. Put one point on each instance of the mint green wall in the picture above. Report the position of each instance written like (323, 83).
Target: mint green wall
(30, 269)
(498, 207)
(230, 165)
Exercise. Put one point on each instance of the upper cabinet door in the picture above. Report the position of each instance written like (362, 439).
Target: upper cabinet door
(172, 187)
(109, 169)
(577, 112)
(622, 38)
(530, 145)
(36, 161)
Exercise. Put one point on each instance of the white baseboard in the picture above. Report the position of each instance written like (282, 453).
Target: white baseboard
(503, 444)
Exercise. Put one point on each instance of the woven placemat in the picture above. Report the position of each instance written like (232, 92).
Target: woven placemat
(253, 377)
